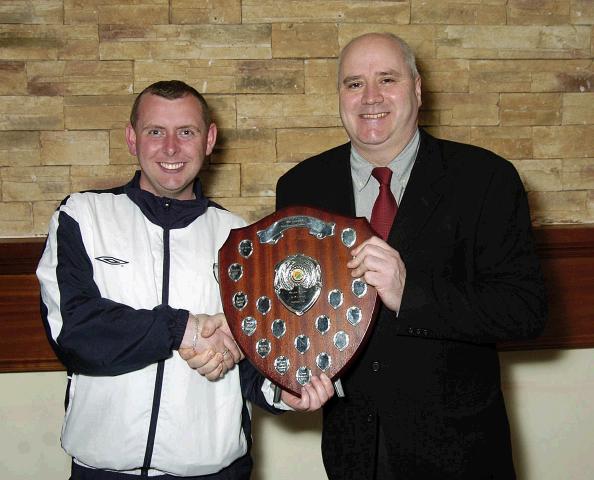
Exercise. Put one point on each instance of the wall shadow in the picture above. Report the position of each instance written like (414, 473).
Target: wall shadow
(511, 360)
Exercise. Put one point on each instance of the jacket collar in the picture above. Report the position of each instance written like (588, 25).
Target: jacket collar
(167, 212)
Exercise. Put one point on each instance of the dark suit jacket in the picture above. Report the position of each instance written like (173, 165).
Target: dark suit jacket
(430, 374)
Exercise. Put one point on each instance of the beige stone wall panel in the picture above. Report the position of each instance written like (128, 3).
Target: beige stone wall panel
(19, 149)
(572, 141)
(80, 78)
(287, 111)
(311, 40)
(508, 142)
(16, 219)
(221, 180)
(206, 76)
(48, 42)
(560, 207)
(179, 42)
(251, 209)
(26, 184)
(81, 12)
(458, 12)
(455, 134)
(259, 179)
(578, 174)
(206, 11)
(582, 12)
(432, 118)
(531, 76)
(100, 177)
(225, 76)
(294, 145)
(590, 207)
(245, 146)
(501, 75)
(118, 149)
(13, 78)
(223, 110)
(75, 147)
(505, 42)
(312, 11)
(42, 212)
(31, 11)
(578, 109)
(421, 38)
(530, 109)
(31, 113)
(538, 12)
(95, 12)
(270, 76)
(144, 12)
(444, 75)
(191, 12)
(540, 175)
(457, 109)
(574, 79)
(321, 76)
(100, 112)
(513, 76)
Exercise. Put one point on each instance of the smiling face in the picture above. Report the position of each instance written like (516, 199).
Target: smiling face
(171, 141)
(379, 98)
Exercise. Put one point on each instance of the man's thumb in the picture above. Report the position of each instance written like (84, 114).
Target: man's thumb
(210, 325)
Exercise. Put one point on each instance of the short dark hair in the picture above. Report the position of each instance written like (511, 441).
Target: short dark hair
(171, 90)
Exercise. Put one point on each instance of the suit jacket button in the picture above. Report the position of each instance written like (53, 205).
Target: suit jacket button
(375, 366)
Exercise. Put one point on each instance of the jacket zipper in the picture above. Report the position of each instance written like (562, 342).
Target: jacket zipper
(161, 365)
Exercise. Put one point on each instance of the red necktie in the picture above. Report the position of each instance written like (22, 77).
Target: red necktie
(385, 207)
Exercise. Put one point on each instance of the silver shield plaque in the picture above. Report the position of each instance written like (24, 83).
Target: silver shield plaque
(298, 282)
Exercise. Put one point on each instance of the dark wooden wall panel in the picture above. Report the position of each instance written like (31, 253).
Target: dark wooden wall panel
(567, 254)
(567, 259)
(23, 343)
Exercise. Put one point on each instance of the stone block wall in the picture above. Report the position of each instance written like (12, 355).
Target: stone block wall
(514, 76)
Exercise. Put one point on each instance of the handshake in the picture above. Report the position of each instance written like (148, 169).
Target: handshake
(209, 348)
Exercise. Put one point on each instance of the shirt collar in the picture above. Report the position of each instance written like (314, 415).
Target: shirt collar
(401, 165)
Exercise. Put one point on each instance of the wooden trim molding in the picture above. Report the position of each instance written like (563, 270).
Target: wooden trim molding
(566, 252)
(567, 259)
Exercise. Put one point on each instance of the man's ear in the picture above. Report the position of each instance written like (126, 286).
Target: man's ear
(131, 139)
(418, 90)
(211, 138)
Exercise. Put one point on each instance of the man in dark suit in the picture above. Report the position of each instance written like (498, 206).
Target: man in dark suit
(456, 273)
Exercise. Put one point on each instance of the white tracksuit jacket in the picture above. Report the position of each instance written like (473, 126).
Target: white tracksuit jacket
(120, 272)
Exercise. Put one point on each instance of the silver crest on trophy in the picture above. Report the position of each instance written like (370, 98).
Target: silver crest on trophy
(298, 282)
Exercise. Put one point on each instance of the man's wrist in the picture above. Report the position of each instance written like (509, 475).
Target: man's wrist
(194, 320)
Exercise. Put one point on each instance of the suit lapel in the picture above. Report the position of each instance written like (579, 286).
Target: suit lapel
(340, 195)
(423, 192)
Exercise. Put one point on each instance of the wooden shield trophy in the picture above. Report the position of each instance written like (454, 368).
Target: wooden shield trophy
(290, 300)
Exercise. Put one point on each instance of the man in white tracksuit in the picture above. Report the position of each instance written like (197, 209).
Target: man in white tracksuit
(127, 285)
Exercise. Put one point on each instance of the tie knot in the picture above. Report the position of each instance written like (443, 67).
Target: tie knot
(382, 174)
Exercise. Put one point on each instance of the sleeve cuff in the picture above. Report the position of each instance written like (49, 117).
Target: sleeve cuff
(177, 327)
(268, 392)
